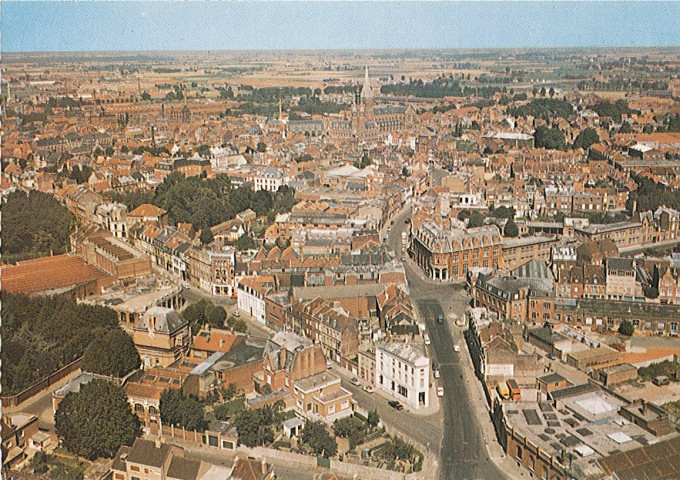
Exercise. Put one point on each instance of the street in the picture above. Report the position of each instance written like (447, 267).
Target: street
(425, 429)
(462, 453)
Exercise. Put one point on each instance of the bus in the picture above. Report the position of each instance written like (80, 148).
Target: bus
(515, 392)
(503, 390)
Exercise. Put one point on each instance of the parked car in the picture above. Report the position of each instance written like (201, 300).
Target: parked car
(329, 365)
(368, 388)
(440, 391)
(427, 339)
(437, 374)
(355, 381)
(440, 319)
(435, 366)
(237, 313)
(456, 348)
(551, 356)
(396, 405)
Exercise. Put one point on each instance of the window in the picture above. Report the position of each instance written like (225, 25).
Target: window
(519, 453)
(331, 409)
(403, 391)
(134, 468)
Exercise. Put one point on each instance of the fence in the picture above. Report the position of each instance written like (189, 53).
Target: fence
(19, 398)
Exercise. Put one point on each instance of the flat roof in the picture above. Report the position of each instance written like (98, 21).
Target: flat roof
(587, 425)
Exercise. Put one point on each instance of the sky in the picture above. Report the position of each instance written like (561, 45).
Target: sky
(29, 26)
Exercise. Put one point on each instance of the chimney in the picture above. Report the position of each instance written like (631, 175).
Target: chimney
(264, 465)
(282, 356)
(157, 443)
(643, 407)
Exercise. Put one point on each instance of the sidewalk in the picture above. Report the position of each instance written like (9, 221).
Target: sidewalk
(493, 448)
(431, 409)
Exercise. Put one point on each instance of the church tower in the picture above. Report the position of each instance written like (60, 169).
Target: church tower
(367, 96)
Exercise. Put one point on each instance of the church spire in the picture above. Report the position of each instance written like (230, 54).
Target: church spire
(366, 92)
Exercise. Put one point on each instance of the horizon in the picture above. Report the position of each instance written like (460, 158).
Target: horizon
(130, 26)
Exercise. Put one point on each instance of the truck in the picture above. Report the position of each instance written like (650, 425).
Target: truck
(515, 392)
(503, 390)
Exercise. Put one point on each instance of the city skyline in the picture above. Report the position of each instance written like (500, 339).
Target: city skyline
(168, 26)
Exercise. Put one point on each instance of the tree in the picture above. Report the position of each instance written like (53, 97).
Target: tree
(363, 162)
(373, 418)
(97, 152)
(114, 354)
(626, 328)
(237, 324)
(35, 225)
(551, 92)
(261, 147)
(475, 220)
(97, 420)
(216, 316)
(256, 427)
(245, 242)
(319, 440)
(510, 229)
(586, 138)
(146, 95)
(625, 128)
(350, 428)
(207, 236)
(542, 92)
(550, 138)
(181, 410)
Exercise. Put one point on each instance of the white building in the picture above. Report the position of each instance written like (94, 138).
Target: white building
(269, 179)
(250, 298)
(402, 370)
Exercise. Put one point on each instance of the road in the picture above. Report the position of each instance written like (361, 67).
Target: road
(462, 452)
(425, 429)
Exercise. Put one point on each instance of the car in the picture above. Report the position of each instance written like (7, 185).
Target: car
(551, 356)
(403, 258)
(396, 405)
(355, 381)
(440, 319)
(427, 339)
(329, 365)
(237, 313)
(440, 391)
(437, 374)
(368, 388)
(435, 366)
(456, 348)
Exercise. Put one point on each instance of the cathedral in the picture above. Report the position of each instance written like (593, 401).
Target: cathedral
(367, 121)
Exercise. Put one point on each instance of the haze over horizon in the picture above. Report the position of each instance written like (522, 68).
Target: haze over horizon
(330, 25)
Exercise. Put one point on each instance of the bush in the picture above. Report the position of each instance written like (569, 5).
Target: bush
(666, 368)
(626, 328)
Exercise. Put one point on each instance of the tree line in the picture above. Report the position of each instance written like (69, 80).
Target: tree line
(34, 226)
(42, 334)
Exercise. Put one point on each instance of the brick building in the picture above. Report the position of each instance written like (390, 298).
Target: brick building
(446, 254)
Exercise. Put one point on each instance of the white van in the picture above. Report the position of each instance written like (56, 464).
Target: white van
(427, 339)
